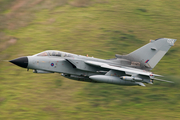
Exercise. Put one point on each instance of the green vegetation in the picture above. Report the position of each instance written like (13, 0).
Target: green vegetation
(101, 28)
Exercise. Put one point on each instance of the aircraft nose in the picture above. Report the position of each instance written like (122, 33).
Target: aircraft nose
(22, 62)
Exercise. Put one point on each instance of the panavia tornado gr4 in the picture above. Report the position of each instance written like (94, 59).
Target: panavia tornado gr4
(130, 69)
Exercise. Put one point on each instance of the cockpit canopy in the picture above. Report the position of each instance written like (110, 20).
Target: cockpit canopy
(55, 53)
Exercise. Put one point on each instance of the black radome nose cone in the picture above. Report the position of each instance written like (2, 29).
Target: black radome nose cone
(22, 62)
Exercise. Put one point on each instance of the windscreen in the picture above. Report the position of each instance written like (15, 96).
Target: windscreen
(55, 53)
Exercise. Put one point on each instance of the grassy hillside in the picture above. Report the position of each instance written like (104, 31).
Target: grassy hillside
(100, 28)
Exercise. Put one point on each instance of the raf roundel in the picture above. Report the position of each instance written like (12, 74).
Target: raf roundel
(52, 64)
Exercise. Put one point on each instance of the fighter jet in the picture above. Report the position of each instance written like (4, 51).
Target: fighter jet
(131, 69)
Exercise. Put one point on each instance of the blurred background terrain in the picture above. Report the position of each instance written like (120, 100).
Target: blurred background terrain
(100, 28)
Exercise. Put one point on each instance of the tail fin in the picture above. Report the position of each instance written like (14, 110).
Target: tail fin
(150, 54)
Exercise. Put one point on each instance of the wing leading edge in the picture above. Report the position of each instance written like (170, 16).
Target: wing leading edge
(129, 71)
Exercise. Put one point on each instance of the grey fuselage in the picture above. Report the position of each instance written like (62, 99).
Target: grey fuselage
(130, 69)
(78, 70)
